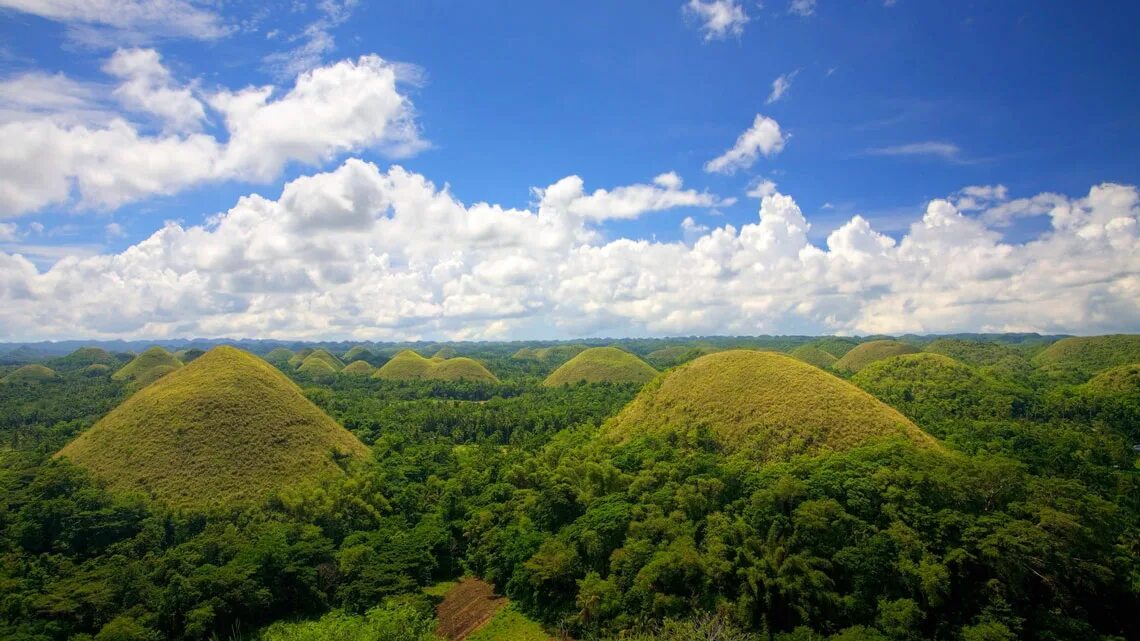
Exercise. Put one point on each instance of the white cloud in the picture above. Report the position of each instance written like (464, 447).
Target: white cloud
(946, 150)
(315, 41)
(719, 18)
(134, 20)
(360, 252)
(802, 7)
(54, 153)
(763, 187)
(781, 85)
(763, 137)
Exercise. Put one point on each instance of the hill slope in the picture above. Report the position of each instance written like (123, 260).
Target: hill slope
(408, 365)
(864, 354)
(1079, 358)
(358, 368)
(227, 428)
(813, 355)
(602, 365)
(139, 368)
(279, 355)
(769, 404)
(84, 357)
(30, 374)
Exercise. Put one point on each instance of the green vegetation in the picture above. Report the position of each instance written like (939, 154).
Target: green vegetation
(509, 624)
(1022, 522)
(299, 357)
(358, 368)
(976, 353)
(866, 353)
(602, 365)
(83, 357)
(98, 369)
(358, 353)
(279, 355)
(408, 365)
(30, 374)
(327, 357)
(188, 355)
(932, 389)
(139, 368)
(836, 346)
(315, 368)
(780, 407)
(674, 355)
(813, 355)
(554, 354)
(445, 352)
(1078, 359)
(225, 429)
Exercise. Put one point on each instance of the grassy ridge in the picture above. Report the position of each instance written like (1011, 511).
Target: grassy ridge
(1079, 358)
(227, 428)
(358, 368)
(279, 355)
(866, 353)
(602, 365)
(139, 368)
(1124, 379)
(780, 407)
(408, 365)
(813, 355)
(30, 374)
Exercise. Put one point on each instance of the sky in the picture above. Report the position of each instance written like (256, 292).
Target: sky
(493, 171)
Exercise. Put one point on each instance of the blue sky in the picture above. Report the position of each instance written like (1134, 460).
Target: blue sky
(887, 107)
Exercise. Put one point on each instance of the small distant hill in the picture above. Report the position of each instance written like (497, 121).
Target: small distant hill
(138, 372)
(299, 357)
(552, 354)
(813, 355)
(358, 353)
(358, 368)
(226, 429)
(864, 354)
(408, 365)
(1124, 379)
(971, 352)
(30, 374)
(674, 355)
(602, 365)
(279, 355)
(934, 390)
(327, 357)
(835, 345)
(188, 355)
(317, 368)
(85, 356)
(97, 369)
(1079, 358)
(445, 352)
(766, 404)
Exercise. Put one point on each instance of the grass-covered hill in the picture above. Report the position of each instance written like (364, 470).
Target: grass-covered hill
(973, 352)
(602, 365)
(358, 368)
(279, 355)
(674, 355)
(226, 429)
(837, 346)
(327, 357)
(188, 355)
(1124, 379)
(864, 354)
(97, 369)
(768, 404)
(358, 353)
(408, 365)
(299, 357)
(445, 352)
(317, 369)
(552, 354)
(1079, 358)
(83, 357)
(138, 372)
(813, 355)
(30, 374)
(934, 390)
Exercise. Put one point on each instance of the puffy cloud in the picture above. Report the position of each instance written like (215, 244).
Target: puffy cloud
(139, 20)
(360, 252)
(781, 85)
(54, 153)
(802, 7)
(719, 19)
(763, 137)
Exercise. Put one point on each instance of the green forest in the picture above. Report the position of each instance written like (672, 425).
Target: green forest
(975, 488)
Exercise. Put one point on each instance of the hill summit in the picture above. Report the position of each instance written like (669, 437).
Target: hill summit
(408, 365)
(767, 404)
(227, 428)
(866, 353)
(148, 367)
(602, 365)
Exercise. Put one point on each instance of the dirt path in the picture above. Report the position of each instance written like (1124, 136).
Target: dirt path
(467, 606)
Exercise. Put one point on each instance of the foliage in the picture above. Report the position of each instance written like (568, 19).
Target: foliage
(358, 368)
(408, 365)
(813, 355)
(509, 624)
(143, 363)
(393, 621)
(602, 365)
(1077, 359)
(29, 374)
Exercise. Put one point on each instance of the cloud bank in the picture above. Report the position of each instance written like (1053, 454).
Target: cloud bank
(358, 252)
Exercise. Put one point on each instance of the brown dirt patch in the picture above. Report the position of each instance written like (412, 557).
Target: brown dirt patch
(467, 606)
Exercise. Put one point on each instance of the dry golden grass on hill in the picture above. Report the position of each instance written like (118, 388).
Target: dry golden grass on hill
(602, 365)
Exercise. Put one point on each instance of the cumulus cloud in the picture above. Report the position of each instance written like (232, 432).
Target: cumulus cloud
(718, 19)
(781, 85)
(763, 137)
(101, 21)
(58, 151)
(802, 7)
(371, 254)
